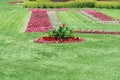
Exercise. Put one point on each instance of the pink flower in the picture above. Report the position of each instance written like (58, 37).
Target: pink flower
(39, 21)
(99, 15)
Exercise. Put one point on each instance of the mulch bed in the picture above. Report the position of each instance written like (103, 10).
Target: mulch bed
(97, 32)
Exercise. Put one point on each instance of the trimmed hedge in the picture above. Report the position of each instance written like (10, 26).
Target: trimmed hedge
(107, 4)
(70, 4)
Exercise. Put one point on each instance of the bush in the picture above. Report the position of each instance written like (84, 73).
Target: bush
(32, 0)
(31, 4)
(107, 4)
(63, 33)
(43, 0)
(70, 4)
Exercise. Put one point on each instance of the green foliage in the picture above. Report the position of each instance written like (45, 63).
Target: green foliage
(43, 0)
(72, 4)
(32, 4)
(32, 0)
(81, 4)
(107, 4)
(49, 4)
(62, 33)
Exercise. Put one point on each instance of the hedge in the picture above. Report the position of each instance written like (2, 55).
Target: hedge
(70, 4)
(107, 4)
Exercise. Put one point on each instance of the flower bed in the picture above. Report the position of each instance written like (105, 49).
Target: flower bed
(61, 35)
(97, 32)
(54, 19)
(48, 40)
(99, 17)
(39, 21)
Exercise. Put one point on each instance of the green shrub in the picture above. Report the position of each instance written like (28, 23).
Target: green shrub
(70, 4)
(32, 0)
(62, 33)
(107, 4)
(43, 0)
(30, 4)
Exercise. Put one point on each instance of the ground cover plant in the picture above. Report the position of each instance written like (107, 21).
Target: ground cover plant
(39, 21)
(98, 58)
(99, 17)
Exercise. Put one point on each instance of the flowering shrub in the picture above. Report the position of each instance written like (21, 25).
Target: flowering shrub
(62, 35)
(39, 21)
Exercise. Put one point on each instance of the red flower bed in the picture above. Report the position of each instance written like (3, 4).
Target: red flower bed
(48, 40)
(98, 32)
(39, 21)
(99, 15)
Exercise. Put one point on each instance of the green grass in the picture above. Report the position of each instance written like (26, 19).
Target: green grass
(111, 12)
(78, 21)
(98, 58)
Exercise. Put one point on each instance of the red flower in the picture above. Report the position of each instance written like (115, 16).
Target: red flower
(49, 39)
(39, 21)
(63, 25)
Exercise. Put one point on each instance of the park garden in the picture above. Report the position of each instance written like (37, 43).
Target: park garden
(59, 40)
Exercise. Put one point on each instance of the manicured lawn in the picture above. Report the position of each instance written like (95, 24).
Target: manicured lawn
(98, 58)
(78, 21)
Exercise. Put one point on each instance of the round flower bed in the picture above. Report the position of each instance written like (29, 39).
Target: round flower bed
(48, 40)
